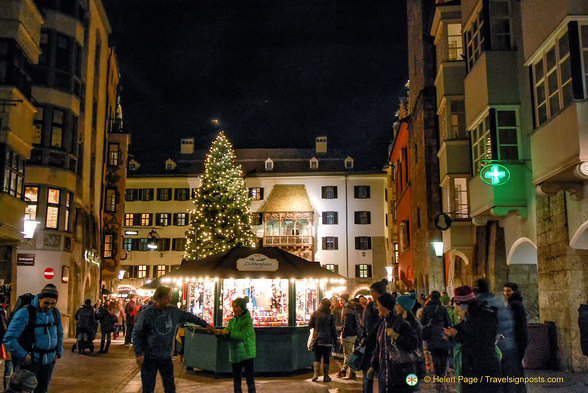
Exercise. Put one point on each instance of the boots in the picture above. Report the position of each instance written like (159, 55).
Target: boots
(326, 378)
(316, 367)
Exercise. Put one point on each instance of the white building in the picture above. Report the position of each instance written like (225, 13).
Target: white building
(322, 206)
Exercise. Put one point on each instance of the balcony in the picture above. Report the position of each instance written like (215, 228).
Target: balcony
(491, 81)
(11, 217)
(291, 240)
(449, 79)
(459, 236)
(487, 200)
(454, 158)
(560, 146)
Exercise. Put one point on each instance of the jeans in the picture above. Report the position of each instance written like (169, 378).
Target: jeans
(348, 344)
(149, 374)
(43, 373)
(237, 369)
(368, 383)
(105, 337)
(129, 333)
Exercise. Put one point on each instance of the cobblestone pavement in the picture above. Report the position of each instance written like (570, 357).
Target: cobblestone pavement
(116, 372)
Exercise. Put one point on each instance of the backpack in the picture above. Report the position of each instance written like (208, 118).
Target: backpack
(27, 337)
(85, 318)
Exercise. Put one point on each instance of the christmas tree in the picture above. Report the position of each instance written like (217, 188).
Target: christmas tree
(221, 216)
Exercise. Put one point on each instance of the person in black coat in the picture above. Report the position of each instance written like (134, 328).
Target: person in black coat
(521, 335)
(323, 323)
(106, 320)
(435, 319)
(477, 336)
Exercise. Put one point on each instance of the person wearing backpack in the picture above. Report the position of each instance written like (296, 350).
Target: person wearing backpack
(107, 321)
(85, 326)
(35, 336)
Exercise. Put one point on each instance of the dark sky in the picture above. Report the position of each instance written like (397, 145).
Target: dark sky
(276, 73)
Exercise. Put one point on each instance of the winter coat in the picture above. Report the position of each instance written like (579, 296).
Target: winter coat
(46, 337)
(154, 333)
(129, 309)
(242, 338)
(505, 321)
(371, 321)
(350, 323)
(583, 324)
(477, 335)
(519, 316)
(323, 323)
(106, 320)
(85, 317)
(394, 374)
(117, 310)
(435, 318)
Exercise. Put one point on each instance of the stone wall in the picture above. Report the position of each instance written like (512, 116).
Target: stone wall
(563, 279)
(525, 276)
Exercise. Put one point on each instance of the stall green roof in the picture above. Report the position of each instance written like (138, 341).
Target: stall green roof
(259, 262)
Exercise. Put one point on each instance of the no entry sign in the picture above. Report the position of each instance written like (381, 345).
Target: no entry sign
(49, 273)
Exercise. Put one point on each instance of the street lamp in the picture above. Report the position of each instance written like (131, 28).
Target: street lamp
(153, 240)
(438, 246)
(29, 228)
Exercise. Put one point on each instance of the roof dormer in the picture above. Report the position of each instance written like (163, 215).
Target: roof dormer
(269, 164)
(170, 165)
(314, 163)
(134, 164)
(349, 161)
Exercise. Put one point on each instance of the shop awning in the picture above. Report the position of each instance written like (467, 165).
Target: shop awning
(259, 262)
(288, 198)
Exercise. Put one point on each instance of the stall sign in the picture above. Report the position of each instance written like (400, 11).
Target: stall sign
(257, 263)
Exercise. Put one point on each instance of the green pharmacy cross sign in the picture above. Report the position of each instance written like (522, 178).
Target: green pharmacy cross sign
(495, 174)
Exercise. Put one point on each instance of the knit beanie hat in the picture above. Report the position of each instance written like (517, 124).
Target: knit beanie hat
(23, 380)
(464, 294)
(512, 286)
(48, 290)
(380, 286)
(387, 301)
(241, 302)
(407, 302)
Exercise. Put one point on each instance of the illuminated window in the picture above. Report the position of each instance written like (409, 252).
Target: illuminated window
(162, 219)
(110, 200)
(128, 244)
(146, 219)
(129, 219)
(363, 271)
(454, 42)
(161, 270)
(481, 144)
(460, 197)
(500, 143)
(332, 267)
(68, 197)
(32, 200)
(474, 40)
(108, 245)
(52, 218)
(256, 193)
(181, 219)
(142, 271)
(113, 154)
(13, 182)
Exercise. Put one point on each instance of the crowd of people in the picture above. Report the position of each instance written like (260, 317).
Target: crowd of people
(390, 336)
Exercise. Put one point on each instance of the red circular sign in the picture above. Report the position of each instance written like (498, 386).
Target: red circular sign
(49, 273)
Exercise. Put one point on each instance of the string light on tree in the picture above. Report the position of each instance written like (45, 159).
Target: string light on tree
(221, 216)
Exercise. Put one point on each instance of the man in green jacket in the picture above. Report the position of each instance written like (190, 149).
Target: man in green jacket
(242, 344)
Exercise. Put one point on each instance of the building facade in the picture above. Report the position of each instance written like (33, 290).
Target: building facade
(20, 35)
(63, 176)
(319, 205)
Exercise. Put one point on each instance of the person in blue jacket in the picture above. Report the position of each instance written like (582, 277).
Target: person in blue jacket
(153, 337)
(37, 348)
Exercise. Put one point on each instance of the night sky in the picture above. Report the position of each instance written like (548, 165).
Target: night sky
(276, 73)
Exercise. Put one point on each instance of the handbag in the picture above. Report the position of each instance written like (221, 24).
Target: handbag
(400, 356)
(428, 328)
(355, 360)
(311, 343)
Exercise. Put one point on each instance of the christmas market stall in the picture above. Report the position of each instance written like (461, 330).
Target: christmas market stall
(284, 290)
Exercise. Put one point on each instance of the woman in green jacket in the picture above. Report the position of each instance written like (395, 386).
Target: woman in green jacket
(241, 344)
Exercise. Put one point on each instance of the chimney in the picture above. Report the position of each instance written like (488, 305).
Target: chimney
(321, 144)
(187, 146)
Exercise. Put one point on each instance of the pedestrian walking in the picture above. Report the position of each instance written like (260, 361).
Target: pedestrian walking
(371, 321)
(153, 338)
(129, 314)
(476, 352)
(514, 299)
(242, 351)
(117, 310)
(107, 321)
(435, 319)
(403, 307)
(325, 334)
(396, 343)
(35, 336)
(349, 332)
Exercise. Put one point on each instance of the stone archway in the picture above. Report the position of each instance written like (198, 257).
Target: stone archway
(459, 271)
(522, 269)
(580, 238)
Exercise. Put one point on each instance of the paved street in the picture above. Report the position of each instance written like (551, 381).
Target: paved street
(116, 372)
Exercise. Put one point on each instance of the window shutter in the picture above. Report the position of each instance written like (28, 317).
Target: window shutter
(369, 243)
(324, 243)
(576, 60)
(369, 217)
(357, 273)
(261, 193)
(336, 243)
(357, 217)
(335, 192)
(150, 219)
(369, 270)
(357, 243)
(136, 219)
(367, 192)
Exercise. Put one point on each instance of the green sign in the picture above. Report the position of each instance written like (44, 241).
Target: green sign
(495, 174)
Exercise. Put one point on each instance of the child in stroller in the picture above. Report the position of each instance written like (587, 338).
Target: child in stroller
(85, 328)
